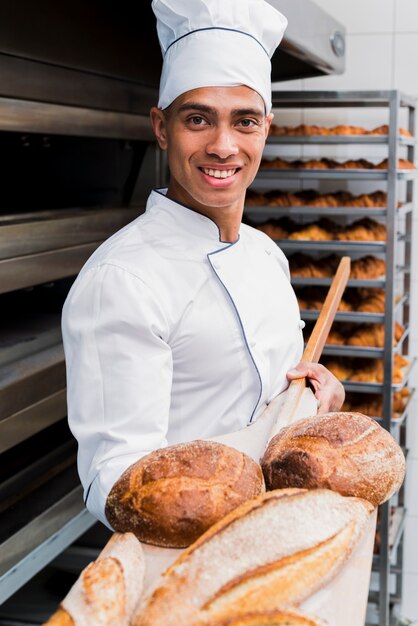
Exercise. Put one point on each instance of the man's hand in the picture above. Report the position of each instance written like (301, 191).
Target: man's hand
(328, 390)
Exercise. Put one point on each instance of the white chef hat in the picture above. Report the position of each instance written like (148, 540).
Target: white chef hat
(216, 43)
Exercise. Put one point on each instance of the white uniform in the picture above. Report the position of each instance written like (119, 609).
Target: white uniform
(172, 335)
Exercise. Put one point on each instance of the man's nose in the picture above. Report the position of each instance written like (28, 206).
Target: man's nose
(222, 143)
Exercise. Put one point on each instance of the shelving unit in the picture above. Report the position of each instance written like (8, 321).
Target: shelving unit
(388, 564)
(41, 250)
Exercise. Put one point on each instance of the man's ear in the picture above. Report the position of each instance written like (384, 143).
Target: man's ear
(269, 120)
(159, 125)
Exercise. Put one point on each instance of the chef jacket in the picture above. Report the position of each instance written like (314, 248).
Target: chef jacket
(171, 334)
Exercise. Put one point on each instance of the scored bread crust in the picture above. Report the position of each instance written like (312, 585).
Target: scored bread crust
(271, 552)
(270, 618)
(108, 589)
(346, 452)
(173, 495)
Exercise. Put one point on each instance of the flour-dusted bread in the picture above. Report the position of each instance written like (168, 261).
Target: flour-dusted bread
(108, 590)
(271, 618)
(173, 495)
(346, 452)
(271, 553)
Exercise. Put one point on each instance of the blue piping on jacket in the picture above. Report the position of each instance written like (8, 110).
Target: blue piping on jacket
(241, 324)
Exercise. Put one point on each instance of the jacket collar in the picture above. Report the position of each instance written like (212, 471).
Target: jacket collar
(178, 218)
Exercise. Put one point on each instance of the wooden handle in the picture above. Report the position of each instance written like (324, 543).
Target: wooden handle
(324, 322)
(315, 344)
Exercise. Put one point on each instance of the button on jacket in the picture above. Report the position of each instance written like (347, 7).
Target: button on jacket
(170, 335)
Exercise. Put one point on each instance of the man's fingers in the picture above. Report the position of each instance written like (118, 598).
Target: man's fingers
(314, 371)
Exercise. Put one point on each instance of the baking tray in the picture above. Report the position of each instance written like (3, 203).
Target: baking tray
(255, 210)
(302, 281)
(331, 245)
(350, 385)
(339, 139)
(366, 352)
(354, 316)
(294, 174)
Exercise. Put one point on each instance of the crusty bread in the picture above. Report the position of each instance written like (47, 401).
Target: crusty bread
(108, 590)
(270, 618)
(346, 452)
(272, 552)
(171, 496)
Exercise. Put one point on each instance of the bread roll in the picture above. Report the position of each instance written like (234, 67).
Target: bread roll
(171, 496)
(271, 618)
(107, 591)
(346, 452)
(270, 553)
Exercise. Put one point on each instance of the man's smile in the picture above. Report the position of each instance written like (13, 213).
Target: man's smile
(217, 172)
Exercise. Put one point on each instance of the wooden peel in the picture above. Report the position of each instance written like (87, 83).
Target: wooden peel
(315, 344)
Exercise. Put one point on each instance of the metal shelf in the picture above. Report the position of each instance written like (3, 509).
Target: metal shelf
(365, 352)
(353, 174)
(392, 101)
(346, 316)
(340, 99)
(302, 281)
(365, 387)
(43, 512)
(353, 351)
(26, 116)
(294, 245)
(338, 139)
(255, 210)
(353, 317)
(36, 248)
(395, 533)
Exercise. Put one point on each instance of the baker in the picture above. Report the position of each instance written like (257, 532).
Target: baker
(183, 325)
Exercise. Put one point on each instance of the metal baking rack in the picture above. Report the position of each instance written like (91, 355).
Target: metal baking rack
(382, 601)
(42, 505)
(47, 245)
(339, 139)
(352, 174)
(261, 213)
(363, 352)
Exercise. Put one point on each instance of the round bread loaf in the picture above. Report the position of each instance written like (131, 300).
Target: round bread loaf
(171, 496)
(346, 452)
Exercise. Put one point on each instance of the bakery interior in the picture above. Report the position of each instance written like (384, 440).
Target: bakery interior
(337, 178)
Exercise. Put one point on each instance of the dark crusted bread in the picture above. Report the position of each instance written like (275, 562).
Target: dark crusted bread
(346, 452)
(173, 495)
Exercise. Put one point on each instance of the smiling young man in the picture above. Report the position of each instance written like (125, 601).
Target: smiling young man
(184, 325)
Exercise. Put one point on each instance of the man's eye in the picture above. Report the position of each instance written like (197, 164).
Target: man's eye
(247, 123)
(197, 120)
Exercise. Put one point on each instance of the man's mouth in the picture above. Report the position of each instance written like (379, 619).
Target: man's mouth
(214, 173)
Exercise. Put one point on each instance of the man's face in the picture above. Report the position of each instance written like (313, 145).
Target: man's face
(214, 137)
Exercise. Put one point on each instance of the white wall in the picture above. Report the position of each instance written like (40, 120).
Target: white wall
(382, 53)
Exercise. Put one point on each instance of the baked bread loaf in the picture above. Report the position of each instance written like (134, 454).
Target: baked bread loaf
(346, 452)
(171, 496)
(341, 129)
(303, 265)
(331, 164)
(108, 590)
(372, 404)
(272, 552)
(270, 618)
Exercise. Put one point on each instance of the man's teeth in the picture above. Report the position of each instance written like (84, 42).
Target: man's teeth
(219, 173)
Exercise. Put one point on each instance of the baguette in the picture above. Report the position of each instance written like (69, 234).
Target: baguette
(271, 618)
(171, 496)
(346, 452)
(270, 553)
(108, 590)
